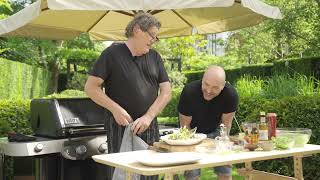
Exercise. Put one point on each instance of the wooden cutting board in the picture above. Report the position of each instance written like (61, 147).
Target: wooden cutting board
(162, 146)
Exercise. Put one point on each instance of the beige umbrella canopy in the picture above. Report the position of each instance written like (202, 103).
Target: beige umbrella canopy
(107, 19)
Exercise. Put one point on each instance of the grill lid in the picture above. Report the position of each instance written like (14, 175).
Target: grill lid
(67, 117)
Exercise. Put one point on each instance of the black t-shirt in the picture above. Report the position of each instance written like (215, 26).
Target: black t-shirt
(206, 115)
(130, 81)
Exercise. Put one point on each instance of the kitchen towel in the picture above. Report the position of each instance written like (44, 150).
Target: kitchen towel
(130, 142)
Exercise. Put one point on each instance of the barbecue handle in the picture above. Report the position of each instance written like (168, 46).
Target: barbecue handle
(83, 130)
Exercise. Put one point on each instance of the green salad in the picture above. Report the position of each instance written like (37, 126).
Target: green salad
(300, 139)
(183, 134)
(283, 142)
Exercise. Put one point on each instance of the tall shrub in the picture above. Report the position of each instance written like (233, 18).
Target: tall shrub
(18, 80)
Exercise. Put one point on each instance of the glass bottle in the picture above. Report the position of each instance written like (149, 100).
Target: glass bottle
(263, 127)
(224, 132)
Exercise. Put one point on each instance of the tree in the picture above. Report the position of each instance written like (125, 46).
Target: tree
(181, 47)
(296, 35)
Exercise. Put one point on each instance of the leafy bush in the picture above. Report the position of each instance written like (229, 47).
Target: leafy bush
(82, 57)
(77, 81)
(177, 79)
(198, 63)
(14, 116)
(169, 121)
(193, 75)
(69, 93)
(171, 109)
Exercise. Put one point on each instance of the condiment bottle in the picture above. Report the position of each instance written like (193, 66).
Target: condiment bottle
(263, 127)
(272, 124)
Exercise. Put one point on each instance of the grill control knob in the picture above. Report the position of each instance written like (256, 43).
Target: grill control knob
(38, 147)
(103, 148)
(81, 150)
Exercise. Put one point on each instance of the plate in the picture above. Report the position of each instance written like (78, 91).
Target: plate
(169, 159)
(197, 139)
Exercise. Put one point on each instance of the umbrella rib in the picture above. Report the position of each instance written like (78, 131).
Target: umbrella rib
(95, 23)
(155, 11)
(125, 13)
(181, 17)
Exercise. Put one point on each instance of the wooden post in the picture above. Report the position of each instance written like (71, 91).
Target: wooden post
(129, 175)
(298, 170)
(168, 176)
(249, 168)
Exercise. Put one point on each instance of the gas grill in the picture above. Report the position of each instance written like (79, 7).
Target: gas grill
(68, 132)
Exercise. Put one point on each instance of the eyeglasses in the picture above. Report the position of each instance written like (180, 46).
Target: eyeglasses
(154, 38)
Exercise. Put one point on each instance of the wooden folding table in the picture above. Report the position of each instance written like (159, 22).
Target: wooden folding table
(128, 161)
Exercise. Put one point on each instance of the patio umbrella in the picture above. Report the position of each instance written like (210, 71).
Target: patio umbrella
(107, 19)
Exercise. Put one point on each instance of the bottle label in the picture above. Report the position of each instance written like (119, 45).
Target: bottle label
(263, 135)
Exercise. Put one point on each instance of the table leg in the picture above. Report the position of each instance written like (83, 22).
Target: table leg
(298, 170)
(129, 175)
(248, 166)
(168, 176)
(1, 166)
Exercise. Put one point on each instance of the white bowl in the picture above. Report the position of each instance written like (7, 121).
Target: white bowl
(266, 145)
(198, 137)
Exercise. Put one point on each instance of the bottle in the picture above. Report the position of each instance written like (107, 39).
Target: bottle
(224, 132)
(263, 127)
(272, 124)
(254, 134)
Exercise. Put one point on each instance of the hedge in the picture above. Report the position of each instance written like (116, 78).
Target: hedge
(171, 109)
(305, 66)
(14, 116)
(20, 80)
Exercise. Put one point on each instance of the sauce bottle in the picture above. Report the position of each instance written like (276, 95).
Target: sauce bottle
(263, 127)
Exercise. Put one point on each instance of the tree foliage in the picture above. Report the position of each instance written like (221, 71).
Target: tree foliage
(296, 35)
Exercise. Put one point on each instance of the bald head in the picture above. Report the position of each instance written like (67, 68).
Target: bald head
(213, 82)
(215, 73)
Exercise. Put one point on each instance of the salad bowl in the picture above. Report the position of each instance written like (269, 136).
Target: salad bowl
(197, 138)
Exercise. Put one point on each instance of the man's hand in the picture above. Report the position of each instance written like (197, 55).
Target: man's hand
(121, 116)
(141, 124)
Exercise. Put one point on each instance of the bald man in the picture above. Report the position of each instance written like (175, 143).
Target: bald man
(206, 104)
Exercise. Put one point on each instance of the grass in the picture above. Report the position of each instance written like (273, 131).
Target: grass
(208, 174)
(249, 86)
(278, 86)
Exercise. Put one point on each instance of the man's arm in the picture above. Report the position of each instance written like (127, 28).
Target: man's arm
(185, 120)
(227, 120)
(94, 91)
(142, 123)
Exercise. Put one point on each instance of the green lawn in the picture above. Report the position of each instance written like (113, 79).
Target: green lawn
(208, 174)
